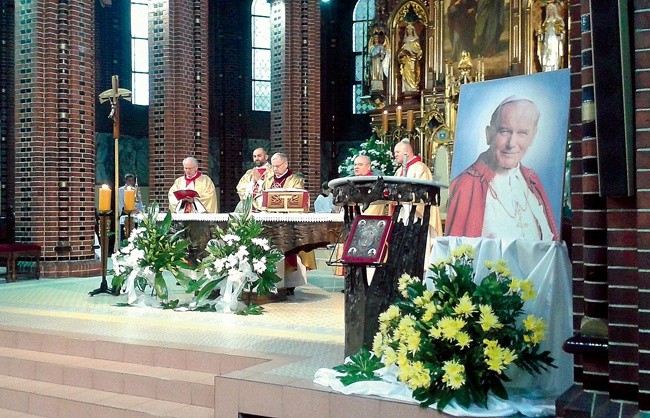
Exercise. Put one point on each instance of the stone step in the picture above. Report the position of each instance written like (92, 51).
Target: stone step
(133, 352)
(45, 399)
(184, 386)
(8, 413)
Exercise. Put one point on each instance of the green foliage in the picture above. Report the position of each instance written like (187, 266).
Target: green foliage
(151, 250)
(360, 367)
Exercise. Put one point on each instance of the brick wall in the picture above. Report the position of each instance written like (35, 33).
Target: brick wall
(230, 118)
(178, 105)
(296, 86)
(6, 106)
(54, 145)
(611, 236)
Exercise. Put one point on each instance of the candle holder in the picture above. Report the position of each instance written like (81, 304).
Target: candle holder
(103, 242)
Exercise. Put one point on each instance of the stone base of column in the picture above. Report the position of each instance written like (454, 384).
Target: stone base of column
(576, 402)
(78, 268)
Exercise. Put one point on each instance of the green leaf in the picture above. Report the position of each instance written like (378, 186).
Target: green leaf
(161, 288)
(361, 367)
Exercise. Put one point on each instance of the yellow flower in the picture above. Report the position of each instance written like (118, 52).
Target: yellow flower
(391, 313)
(527, 291)
(413, 342)
(449, 327)
(515, 285)
(402, 355)
(454, 375)
(429, 310)
(463, 339)
(378, 344)
(508, 356)
(465, 306)
(502, 269)
(463, 250)
(390, 356)
(489, 264)
(404, 281)
(536, 330)
(488, 319)
(496, 357)
(427, 295)
(415, 375)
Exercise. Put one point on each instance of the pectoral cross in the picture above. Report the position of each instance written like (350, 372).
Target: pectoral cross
(113, 95)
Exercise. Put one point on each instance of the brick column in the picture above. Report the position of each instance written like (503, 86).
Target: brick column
(178, 92)
(54, 146)
(296, 86)
(6, 108)
(611, 302)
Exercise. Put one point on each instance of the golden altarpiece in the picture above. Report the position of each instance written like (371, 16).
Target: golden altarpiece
(420, 53)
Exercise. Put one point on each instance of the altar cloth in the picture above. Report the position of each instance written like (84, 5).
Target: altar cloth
(547, 264)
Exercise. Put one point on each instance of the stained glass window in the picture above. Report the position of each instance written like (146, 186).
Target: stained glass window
(364, 14)
(261, 54)
(140, 52)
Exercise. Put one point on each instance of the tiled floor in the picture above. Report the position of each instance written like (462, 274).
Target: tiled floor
(308, 325)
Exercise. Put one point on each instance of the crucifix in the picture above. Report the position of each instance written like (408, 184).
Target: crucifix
(114, 95)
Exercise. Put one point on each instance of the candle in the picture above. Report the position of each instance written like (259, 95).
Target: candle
(384, 121)
(398, 116)
(129, 199)
(409, 120)
(105, 198)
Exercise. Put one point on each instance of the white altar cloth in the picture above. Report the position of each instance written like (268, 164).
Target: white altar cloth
(547, 264)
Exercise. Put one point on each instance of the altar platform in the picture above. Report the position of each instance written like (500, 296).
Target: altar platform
(65, 354)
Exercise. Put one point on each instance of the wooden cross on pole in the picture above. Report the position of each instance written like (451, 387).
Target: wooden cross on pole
(113, 95)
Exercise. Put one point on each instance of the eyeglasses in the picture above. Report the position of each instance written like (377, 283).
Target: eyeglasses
(279, 165)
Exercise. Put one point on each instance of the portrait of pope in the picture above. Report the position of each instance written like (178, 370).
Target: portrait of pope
(509, 158)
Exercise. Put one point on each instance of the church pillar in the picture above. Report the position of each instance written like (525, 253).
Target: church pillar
(54, 133)
(6, 117)
(178, 95)
(296, 86)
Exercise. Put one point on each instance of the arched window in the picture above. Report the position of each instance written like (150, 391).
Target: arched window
(364, 14)
(140, 52)
(261, 54)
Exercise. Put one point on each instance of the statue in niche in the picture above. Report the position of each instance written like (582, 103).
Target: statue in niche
(378, 52)
(550, 40)
(409, 57)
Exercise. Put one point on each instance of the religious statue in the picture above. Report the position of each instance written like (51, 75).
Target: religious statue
(465, 68)
(378, 51)
(550, 40)
(409, 57)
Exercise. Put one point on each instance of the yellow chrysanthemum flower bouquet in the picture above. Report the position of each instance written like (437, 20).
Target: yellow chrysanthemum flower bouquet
(457, 340)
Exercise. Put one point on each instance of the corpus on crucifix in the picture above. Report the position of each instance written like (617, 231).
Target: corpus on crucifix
(113, 96)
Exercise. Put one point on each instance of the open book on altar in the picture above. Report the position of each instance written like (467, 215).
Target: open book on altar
(182, 194)
(285, 200)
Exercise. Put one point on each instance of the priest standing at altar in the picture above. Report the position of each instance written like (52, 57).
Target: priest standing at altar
(193, 192)
(411, 166)
(251, 182)
(284, 178)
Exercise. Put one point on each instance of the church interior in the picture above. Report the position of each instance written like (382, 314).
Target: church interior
(93, 90)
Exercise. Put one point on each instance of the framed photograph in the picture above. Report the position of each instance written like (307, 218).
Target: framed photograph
(508, 168)
(368, 240)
